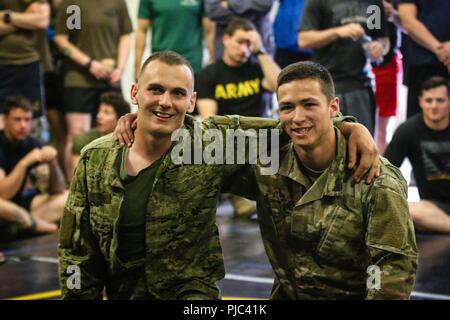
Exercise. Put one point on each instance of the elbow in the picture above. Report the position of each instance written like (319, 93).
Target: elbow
(5, 195)
(303, 41)
(60, 42)
(43, 22)
(406, 22)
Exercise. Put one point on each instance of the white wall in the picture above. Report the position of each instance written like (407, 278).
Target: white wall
(128, 75)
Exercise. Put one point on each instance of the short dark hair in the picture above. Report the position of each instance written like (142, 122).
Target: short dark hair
(308, 70)
(170, 58)
(434, 82)
(17, 101)
(239, 24)
(115, 100)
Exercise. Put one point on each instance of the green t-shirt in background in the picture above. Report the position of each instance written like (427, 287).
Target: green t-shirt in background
(84, 139)
(18, 48)
(103, 22)
(176, 25)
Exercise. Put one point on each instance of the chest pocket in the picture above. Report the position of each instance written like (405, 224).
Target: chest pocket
(306, 227)
(342, 238)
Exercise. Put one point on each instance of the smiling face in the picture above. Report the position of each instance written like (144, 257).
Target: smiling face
(163, 94)
(305, 113)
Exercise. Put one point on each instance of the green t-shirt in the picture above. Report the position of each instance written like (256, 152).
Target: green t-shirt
(103, 22)
(177, 26)
(133, 211)
(18, 48)
(83, 139)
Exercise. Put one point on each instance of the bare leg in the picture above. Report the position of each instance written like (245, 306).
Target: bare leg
(59, 133)
(76, 123)
(10, 211)
(380, 133)
(49, 207)
(428, 217)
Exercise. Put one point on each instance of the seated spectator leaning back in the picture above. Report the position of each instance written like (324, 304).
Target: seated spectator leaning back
(32, 186)
(425, 140)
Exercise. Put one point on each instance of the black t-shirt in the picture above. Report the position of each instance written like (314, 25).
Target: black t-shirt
(434, 14)
(344, 58)
(237, 90)
(429, 153)
(133, 210)
(11, 152)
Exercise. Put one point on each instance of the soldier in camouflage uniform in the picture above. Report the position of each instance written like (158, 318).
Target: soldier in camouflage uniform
(326, 236)
(152, 241)
(136, 223)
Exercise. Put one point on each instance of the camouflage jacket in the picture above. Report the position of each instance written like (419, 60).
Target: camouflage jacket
(335, 239)
(183, 254)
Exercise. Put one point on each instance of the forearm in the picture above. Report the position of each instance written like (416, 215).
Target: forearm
(78, 251)
(123, 51)
(344, 123)
(30, 21)
(271, 70)
(419, 33)
(57, 181)
(71, 51)
(141, 39)
(11, 184)
(209, 31)
(396, 277)
(316, 39)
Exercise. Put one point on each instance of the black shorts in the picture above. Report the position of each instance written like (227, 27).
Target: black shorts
(24, 80)
(53, 91)
(26, 198)
(84, 100)
(444, 206)
(8, 230)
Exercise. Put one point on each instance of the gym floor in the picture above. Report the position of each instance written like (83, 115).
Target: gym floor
(31, 268)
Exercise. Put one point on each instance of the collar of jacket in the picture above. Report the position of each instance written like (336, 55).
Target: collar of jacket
(330, 183)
